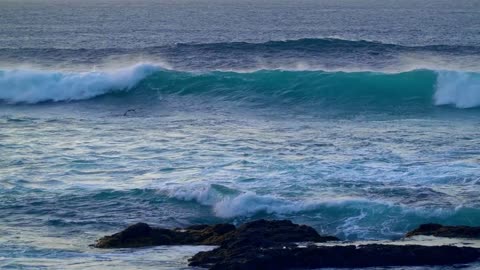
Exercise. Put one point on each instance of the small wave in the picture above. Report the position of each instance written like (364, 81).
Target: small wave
(315, 88)
(348, 217)
(336, 43)
(230, 203)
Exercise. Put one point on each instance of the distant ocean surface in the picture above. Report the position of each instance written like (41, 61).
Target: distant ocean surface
(359, 118)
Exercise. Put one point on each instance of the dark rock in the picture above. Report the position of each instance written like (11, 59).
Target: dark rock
(446, 231)
(260, 233)
(271, 245)
(264, 244)
(265, 233)
(141, 235)
(209, 234)
(247, 258)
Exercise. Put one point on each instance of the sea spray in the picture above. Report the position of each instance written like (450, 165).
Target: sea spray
(33, 86)
(461, 89)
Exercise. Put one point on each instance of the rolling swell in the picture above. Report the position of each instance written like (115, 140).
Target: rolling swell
(417, 87)
(308, 53)
(329, 44)
(304, 45)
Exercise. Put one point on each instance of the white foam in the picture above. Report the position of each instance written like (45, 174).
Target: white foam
(461, 89)
(247, 203)
(416, 240)
(203, 194)
(32, 86)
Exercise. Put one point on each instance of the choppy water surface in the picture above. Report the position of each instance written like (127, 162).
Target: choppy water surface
(305, 120)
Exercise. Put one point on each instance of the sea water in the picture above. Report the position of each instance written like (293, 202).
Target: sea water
(359, 118)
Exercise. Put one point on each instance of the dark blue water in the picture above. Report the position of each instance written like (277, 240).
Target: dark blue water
(360, 119)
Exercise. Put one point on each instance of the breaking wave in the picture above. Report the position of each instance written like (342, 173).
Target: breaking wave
(348, 217)
(30, 86)
(425, 87)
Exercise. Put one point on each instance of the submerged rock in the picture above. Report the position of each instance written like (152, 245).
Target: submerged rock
(248, 257)
(438, 230)
(257, 233)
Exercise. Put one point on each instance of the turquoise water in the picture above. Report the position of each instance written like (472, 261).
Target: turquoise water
(350, 118)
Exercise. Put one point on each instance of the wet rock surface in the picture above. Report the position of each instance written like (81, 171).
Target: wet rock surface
(247, 258)
(438, 230)
(272, 244)
(258, 233)
(142, 235)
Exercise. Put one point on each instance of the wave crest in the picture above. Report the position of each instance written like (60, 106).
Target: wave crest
(29, 86)
(230, 203)
(347, 217)
(461, 89)
(317, 88)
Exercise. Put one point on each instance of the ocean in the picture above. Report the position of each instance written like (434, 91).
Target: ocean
(359, 118)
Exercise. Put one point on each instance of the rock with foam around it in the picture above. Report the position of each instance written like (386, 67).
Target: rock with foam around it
(438, 230)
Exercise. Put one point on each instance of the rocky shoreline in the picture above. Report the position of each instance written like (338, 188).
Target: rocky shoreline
(274, 244)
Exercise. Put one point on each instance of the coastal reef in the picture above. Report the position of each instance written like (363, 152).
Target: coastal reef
(281, 244)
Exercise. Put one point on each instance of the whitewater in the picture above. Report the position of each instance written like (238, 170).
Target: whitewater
(457, 88)
(360, 120)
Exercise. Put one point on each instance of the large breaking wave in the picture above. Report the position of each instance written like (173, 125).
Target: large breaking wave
(457, 88)
(29, 86)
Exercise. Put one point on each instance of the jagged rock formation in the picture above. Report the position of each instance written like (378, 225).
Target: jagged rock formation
(272, 244)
